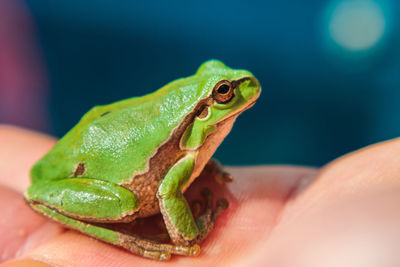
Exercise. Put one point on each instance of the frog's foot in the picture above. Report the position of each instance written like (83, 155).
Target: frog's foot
(154, 250)
(206, 221)
(215, 169)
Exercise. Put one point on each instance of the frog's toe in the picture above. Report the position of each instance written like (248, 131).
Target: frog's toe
(196, 206)
(165, 256)
(156, 255)
(227, 178)
(223, 178)
(222, 204)
(194, 250)
(187, 251)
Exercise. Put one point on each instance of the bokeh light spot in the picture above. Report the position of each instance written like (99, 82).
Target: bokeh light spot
(357, 24)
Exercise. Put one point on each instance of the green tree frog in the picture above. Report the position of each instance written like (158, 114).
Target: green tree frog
(136, 157)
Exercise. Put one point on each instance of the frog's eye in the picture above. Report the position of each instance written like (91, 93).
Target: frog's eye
(223, 92)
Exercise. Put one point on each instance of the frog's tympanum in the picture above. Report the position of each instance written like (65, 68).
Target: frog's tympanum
(136, 157)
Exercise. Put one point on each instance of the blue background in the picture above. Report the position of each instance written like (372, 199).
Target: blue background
(319, 100)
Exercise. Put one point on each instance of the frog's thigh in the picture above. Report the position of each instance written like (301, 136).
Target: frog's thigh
(85, 199)
(177, 215)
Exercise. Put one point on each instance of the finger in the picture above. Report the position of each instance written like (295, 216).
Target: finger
(19, 150)
(257, 197)
(349, 216)
(21, 230)
(375, 167)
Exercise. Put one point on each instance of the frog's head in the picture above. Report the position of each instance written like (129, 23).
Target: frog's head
(228, 93)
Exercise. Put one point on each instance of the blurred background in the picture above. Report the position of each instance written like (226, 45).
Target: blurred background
(330, 69)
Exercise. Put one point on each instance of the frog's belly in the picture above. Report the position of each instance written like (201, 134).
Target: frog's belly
(145, 188)
(148, 207)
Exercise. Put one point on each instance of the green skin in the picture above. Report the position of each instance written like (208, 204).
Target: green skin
(136, 157)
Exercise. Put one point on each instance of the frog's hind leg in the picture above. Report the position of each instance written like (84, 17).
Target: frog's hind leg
(133, 243)
(90, 205)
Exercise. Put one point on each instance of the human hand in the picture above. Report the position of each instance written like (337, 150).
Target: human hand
(347, 216)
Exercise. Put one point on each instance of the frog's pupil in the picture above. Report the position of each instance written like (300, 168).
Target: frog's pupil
(223, 89)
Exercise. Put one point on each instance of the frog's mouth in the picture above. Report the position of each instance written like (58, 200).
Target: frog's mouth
(250, 105)
(237, 113)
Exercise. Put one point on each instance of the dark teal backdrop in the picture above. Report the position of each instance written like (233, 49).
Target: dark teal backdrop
(319, 100)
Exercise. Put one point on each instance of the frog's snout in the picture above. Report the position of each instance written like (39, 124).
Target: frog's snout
(251, 90)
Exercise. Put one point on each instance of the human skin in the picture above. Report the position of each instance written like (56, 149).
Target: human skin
(344, 214)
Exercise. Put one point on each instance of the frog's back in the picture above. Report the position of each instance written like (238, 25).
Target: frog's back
(114, 142)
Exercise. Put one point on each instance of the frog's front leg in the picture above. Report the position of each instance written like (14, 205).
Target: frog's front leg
(181, 225)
